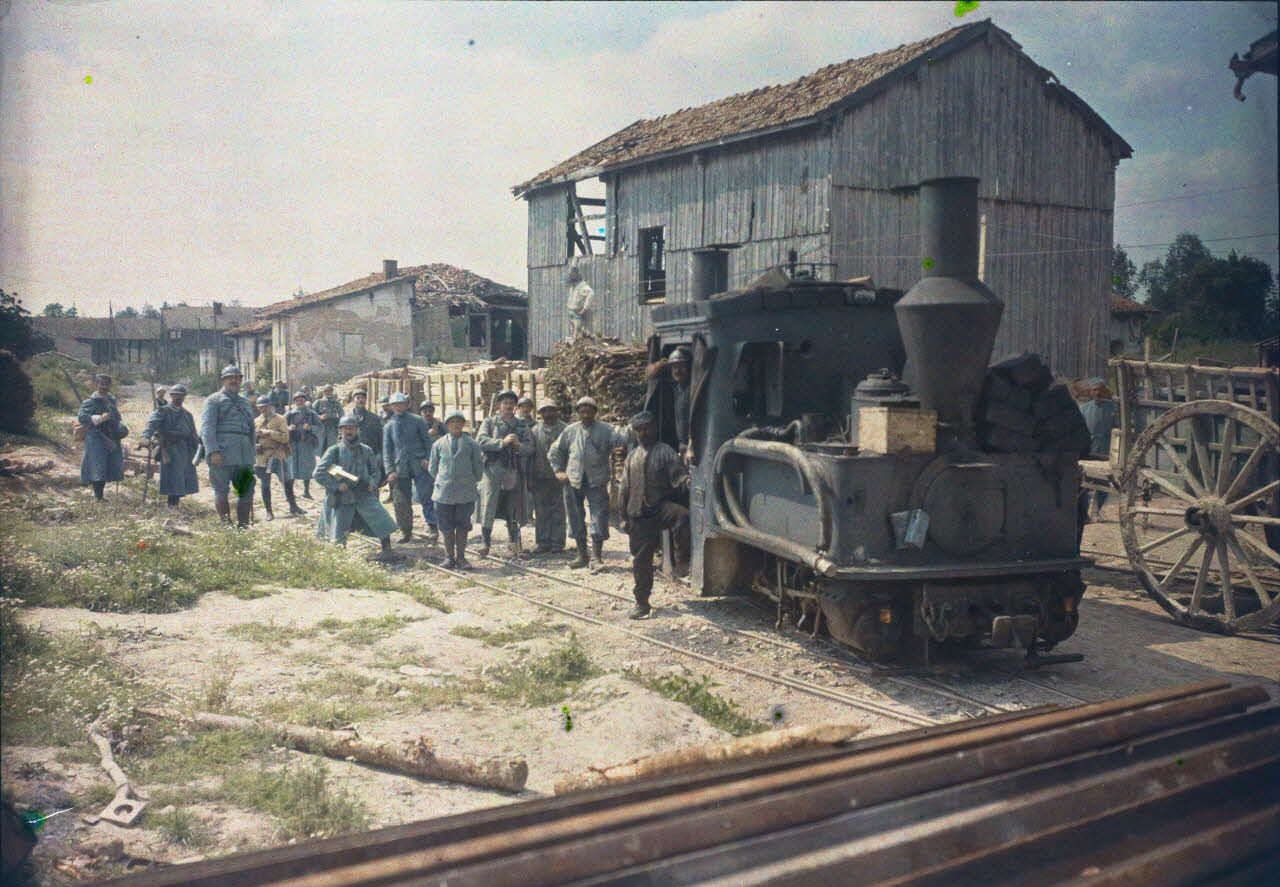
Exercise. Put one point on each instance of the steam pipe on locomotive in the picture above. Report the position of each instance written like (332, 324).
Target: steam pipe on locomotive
(893, 522)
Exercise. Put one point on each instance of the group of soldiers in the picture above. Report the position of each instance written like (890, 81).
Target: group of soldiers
(517, 467)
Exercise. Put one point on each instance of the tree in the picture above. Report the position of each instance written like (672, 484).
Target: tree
(72, 312)
(127, 311)
(16, 333)
(1209, 297)
(54, 309)
(151, 311)
(1124, 274)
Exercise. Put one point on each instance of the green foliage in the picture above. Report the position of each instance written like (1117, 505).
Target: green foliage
(205, 753)
(545, 679)
(17, 335)
(715, 710)
(55, 685)
(17, 398)
(127, 311)
(300, 797)
(181, 826)
(363, 631)
(1206, 297)
(519, 632)
(1124, 274)
(49, 374)
(198, 383)
(264, 372)
(123, 562)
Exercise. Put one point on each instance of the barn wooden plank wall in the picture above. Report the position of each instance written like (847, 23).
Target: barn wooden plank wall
(839, 192)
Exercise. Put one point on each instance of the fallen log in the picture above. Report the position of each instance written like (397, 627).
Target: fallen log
(128, 803)
(413, 757)
(682, 760)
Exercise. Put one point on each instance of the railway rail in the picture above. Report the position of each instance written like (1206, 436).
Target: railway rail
(1174, 786)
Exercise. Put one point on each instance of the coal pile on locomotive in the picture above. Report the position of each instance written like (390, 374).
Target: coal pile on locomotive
(860, 462)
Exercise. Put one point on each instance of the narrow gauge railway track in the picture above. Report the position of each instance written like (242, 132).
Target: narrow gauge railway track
(835, 654)
(1268, 580)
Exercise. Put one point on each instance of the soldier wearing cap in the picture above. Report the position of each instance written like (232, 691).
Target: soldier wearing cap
(405, 452)
(279, 395)
(653, 476)
(580, 458)
(435, 431)
(674, 385)
(227, 429)
(304, 444)
(457, 464)
(545, 490)
(160, 394)
(435, 428)
(506, 443)
(103, 459)
(351, 491)
(271, 446)
(329, 409)
(369, 425)
(171, 433)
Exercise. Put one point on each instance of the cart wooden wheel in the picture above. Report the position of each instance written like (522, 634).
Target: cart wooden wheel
(1200, 548)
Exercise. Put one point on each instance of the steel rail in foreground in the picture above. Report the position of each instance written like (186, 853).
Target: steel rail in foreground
(996, 791)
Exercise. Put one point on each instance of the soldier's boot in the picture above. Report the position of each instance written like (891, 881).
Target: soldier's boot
(582, 555)
(460, 546)
(450, 561)
(597, 555)
(513, 534)
(306, 488)
(173, 501)
(404, 517)
(433, 534)
(486, 536)
(386, 543)
(244, 509)
(223, 507)
(293, 500)
(99, 487)
(266, 501)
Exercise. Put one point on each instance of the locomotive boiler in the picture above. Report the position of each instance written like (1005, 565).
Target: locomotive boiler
(844, 467)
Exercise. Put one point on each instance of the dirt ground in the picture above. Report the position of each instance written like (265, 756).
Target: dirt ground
(405, 671)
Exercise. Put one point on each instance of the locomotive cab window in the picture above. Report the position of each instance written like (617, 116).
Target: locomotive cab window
(757, 380)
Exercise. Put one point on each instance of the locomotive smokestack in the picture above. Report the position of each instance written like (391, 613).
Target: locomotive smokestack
(949, 319)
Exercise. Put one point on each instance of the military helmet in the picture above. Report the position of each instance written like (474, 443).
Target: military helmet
(503, 395)
(349, 419)
(399, 397)
(178, 389)
(548, 405)
(455, 414)
(101, 377)
(644, 417)
(231, 370)
(426, 405)
(525, 400)
(359, 392)
(264, 401)
(680, 355)
(585, 402)
(298, 394)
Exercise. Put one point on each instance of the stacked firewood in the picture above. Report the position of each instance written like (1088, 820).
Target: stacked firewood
(599, 367)
(1023, 410)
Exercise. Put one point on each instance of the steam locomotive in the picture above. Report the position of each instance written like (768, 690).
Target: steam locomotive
(845, 468)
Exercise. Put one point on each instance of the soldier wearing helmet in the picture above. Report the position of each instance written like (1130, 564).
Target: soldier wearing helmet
(544, 489)
(406, 447)
(349, 473)
(506, 444)
(226, 427)
(171, 431)
(580, 459)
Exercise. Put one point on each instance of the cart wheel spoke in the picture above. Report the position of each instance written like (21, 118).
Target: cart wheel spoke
(1256, 519)
(1264, 550)
(1246, 471)
(1167, 485)
(1176, 458)
(1224, 457)
(1260, 493)
(1228, 593)
(1201, 579)
(1202, 456)
(1181, 562)
(1263, 595)
(1168, 537)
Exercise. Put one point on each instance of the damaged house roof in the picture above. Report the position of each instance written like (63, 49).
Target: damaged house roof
(433, 284)
(89, 328)
(252, 328)
(799, 103)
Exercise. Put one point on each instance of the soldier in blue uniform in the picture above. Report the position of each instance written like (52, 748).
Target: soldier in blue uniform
(457, 465)
(506, 443)
(545, 490)
(351, 498)
(103, 459)
(280, 397)
(405, 451)
(329, 409)
(228, 434)
(435, 431)
(370, 427)
(171, 431)
(304, 442)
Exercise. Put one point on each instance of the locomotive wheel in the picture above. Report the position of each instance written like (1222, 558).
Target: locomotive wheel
(1205, 513)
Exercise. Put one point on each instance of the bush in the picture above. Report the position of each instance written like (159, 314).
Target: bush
(49, 374)
(17, 397)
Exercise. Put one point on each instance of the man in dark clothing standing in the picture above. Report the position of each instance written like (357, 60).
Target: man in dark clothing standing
(652, 477)
(280, 398)
(406, 449)
(369, 428)
(329, 409)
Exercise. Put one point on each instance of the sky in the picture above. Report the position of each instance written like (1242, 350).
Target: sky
(159, 151)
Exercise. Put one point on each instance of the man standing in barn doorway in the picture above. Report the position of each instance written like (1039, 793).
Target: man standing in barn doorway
(579, 305)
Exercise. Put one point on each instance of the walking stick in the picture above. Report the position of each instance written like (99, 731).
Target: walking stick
(146, 478)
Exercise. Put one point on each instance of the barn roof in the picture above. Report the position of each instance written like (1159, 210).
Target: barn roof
(789, 105)
(252, 328)
(1122, 306)
(192, 317)
(99, 327)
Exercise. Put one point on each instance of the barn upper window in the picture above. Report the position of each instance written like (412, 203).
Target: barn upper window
(587, 220)
(653, 266)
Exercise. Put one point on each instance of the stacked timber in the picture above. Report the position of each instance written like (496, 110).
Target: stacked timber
(469, 387)
(1175, 786)
(1022, 410)
(601, 368)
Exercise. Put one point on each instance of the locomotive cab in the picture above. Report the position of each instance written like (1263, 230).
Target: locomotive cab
(837, 467)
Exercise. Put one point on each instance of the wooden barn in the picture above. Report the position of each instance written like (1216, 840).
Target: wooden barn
(821, 172)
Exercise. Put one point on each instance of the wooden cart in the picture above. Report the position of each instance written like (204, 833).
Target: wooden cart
(1196, 460)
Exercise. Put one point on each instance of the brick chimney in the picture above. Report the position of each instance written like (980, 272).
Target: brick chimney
(388, 269)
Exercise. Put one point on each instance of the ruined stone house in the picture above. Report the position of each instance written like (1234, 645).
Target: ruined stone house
(251, 343)
(421, 314)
